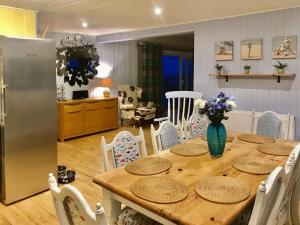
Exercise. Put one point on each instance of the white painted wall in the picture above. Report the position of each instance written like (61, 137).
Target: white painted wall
(121, 57)
(57, 37)
(250, 93)
(258, 94)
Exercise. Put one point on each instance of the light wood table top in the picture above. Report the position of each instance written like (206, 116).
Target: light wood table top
(190, 170)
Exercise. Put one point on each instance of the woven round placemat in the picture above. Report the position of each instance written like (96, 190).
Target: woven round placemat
(159, 189)
(254, 165)
(148, 166)
(220, 189)
(229, 138)
(190, 149)
(275, 149)
(257, 139)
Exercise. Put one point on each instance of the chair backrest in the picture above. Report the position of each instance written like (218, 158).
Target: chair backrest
(292, 195)
(269, 124)
(268, 201)
(71, 207)
(290, 133)
(165, 136)
(181, 104)
(240, 121)
(197, 125)
(125, 148)
(129, 94)
(287, 125)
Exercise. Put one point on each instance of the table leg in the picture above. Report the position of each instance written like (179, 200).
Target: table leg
(112, 208)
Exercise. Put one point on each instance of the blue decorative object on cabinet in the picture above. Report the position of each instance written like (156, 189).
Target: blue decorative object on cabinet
(216, 139)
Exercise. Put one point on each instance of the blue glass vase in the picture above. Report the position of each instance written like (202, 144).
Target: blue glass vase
(216, 139)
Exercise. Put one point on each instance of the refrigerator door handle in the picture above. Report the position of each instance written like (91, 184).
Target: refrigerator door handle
(3, 108)
(3, 100)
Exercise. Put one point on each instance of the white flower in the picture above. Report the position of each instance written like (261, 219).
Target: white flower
(231, 103)
(199, 103)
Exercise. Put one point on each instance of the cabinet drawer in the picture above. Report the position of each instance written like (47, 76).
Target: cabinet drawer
(92, 105)
(73, 107)
(109, 104)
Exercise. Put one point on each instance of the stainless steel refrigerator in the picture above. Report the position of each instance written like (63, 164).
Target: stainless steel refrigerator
(27, 115)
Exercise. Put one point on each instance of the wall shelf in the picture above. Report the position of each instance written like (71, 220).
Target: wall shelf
(254, 75)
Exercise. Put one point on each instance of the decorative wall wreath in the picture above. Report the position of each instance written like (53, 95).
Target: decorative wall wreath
(77, 60)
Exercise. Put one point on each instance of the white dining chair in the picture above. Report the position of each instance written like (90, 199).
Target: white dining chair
(240, 121)
(287, 125)
(277, 199)
(165, 136)
(71, 207)
(267, 208)
(269, 124)
(125, 148)
(292, 195)
(180, 105)
(196, 126)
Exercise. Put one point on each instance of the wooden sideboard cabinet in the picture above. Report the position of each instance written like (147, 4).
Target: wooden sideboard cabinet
(81, 117)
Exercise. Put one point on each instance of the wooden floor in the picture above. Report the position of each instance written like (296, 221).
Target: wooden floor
(82, 155)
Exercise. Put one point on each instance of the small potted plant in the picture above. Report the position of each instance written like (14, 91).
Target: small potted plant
(280, 67)
(219, 68)
(247, 69)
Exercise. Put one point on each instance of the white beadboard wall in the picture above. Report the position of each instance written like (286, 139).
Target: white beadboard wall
(258, 94)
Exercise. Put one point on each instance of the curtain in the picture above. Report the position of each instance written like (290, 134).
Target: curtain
(149, 71)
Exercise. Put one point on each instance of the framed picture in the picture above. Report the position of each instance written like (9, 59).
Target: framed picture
(223, 50)
(251, 49)
(284, 47)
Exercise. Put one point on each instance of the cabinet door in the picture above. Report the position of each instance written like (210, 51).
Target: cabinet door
(92, 120)
(73, 123)
(109, 115)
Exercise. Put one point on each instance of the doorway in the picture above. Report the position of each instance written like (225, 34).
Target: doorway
(177, 64)
(177, 71)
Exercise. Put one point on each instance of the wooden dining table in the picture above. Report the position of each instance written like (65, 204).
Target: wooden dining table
(193, 210)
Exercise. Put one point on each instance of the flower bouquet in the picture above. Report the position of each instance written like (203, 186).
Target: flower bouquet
(216, 108)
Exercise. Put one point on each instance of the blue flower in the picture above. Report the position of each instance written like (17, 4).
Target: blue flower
(216, 107)
(221, 95)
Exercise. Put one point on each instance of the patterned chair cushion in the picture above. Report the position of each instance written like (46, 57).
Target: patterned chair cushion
(197, 125)
(168, 136)
(125, 150)
(129, 216)
(127, 106)
(73, 212)
(128, 114)
(145, 110)
(269, 124)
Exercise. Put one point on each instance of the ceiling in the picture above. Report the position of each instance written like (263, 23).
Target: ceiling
(110, 16)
